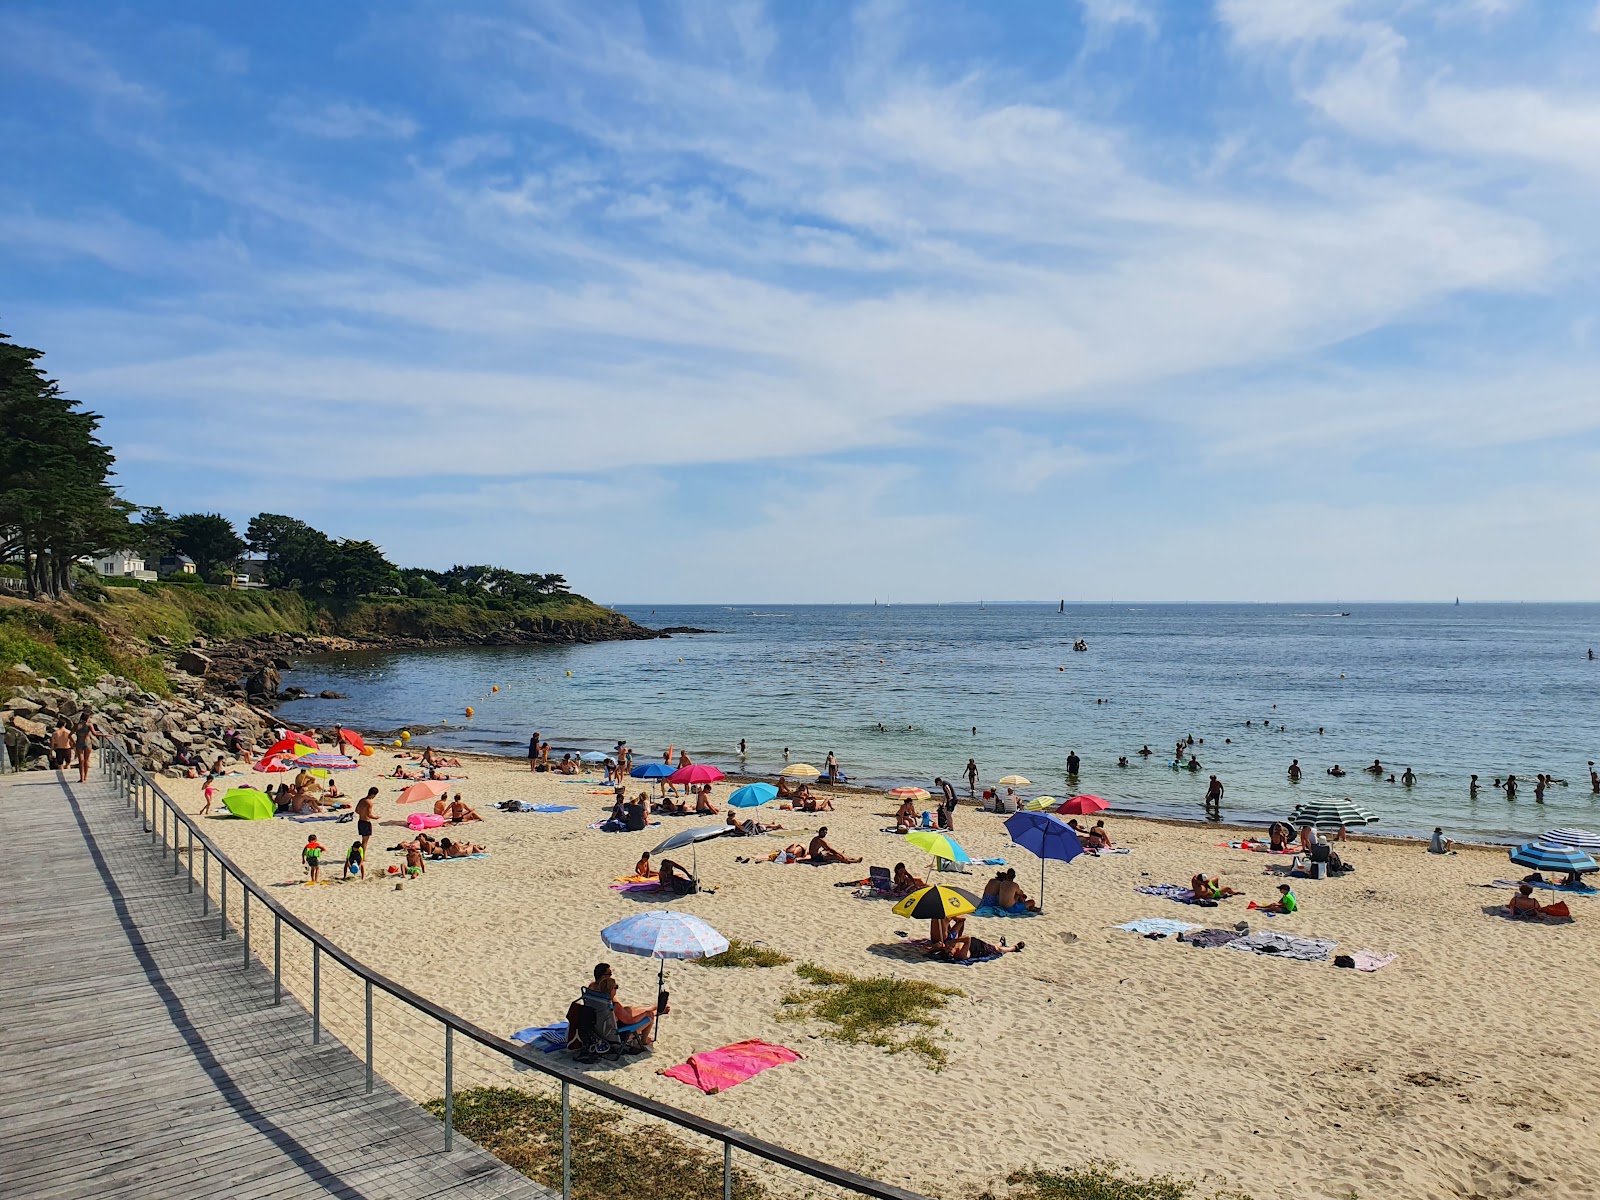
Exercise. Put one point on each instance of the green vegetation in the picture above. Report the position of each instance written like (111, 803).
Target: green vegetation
(1099, 1181)
(71, 649)
(745, 954)
(611, 1160)
(872, 1010)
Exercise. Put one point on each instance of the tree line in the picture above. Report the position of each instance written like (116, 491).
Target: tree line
(58, 506)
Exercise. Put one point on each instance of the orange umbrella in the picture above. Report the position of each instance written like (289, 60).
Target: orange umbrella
(352, 738)
(428, 789)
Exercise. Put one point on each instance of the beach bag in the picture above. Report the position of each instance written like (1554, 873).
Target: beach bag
(684, 887)
(1558, 909)
(1344, 960)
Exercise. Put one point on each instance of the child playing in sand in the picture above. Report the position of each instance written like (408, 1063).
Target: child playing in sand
(354, 859)
(208, 791)
(1286, 903)
(414, 863)
(312, 856)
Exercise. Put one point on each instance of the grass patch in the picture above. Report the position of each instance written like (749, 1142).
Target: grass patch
(1100, 1181)
(611, 1159)
(878, 1011)
(745, 954)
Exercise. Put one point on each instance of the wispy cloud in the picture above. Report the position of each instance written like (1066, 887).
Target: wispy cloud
(341, 119)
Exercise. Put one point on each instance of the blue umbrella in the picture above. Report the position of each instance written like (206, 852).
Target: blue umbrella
(1581, 838)
(652, 770)
(753, 795)
(1046, 835)
(1547, 856)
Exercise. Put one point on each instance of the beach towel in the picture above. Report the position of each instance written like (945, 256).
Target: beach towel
(433, 862)
(1581, 889)
(989, 910)
(994, 862)
(1168, 891)
(637, 886)
(1116, 850)
(548, 1038)
(714, 1071)
(1371, 960)
(324, 817)
(1158, 925)
(1254, 847)
(1208, 938)
(1281, 945)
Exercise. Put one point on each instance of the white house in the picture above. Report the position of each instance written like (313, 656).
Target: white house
(123, 564)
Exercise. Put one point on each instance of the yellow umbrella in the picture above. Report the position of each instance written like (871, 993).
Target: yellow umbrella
(1015, 781)
(800, 771)
(300, 751)
(938, 845)
(1040, 803)
(936, 903)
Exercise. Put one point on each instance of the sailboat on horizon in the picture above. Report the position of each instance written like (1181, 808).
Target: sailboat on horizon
(1063, 607)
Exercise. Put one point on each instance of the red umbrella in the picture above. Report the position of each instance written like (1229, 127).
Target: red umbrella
(1082, 806)
(696, 773)
(270, 763)
(303, 739)
(286, 746)
(352, 738)
(426, 790)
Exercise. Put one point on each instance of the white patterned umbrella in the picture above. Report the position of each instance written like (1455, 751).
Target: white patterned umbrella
(1581, 838)
(661, 935)
(1330, 814)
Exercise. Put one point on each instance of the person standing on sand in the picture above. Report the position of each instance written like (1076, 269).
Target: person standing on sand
(365, 817)
(972, 777)
(949, 792)
(1214, 796)
(533, 752)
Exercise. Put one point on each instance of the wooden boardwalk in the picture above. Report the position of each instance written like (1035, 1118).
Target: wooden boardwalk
(138, 1058)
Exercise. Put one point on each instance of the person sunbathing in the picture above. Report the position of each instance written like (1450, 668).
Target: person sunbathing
(642, 868)
(821, 852)
(905, 882)
(430, 759)
(792, 853)
(906, 819)
(332, 792)
(303, 802)
(786, 790)
(959, 949)
(1210, 887)
(449, 849)
(460, 812)
(400, 772)
(671, 809)
(702, 802)
(1008, 897)
(1523, 904)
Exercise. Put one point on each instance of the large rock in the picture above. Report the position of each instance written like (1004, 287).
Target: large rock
(21, 704)
(34, 729)
(263, 682)
(192, 662)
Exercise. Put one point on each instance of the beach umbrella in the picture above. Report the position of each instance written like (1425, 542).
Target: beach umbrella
(753, 795)
(352, 738)
(800, 771)
(693, 838)
(1581, 838)
(1330, 814)
(283, 746)
(271, 762)
(652, 770)
(1040, 804)
(937, 903)
(663, 934)
(428, 789)
(248, 803)
(1015, 781)
(1548, 856)
(1082, 806)
(593, 756)
(695, 773)
(938, 845)
(1046, 835)
(334, 762)
(907, 793)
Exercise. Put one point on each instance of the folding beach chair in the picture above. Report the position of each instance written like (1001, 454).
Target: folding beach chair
(881, 880)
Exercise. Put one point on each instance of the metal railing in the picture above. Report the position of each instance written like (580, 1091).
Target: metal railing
(153, 804)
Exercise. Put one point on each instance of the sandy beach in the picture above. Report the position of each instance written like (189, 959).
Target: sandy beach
(1466, 1067)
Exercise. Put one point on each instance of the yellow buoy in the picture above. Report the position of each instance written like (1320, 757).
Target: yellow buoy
(405, 735)
(680, 660)
(397, 741)
(569, 674)
(495, 688)
(469, 710)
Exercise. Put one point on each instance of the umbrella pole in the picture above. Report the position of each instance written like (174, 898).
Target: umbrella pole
(1041, 885)
(661, 982)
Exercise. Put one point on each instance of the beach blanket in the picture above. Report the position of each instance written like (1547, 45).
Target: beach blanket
(324, 817)
(989, 910)
(1281, 945)
(1254, 847)
(433, 862)
(714, 1071)
(1116, 850)
(548, 1038)
(1168, 891)
(522, 806)
(1158, 925)
(1371, 960)
(1208, 938)
(637, 886)
(1581, 889)
(994, 862)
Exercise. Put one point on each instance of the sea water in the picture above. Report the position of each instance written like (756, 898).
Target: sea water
(896, 693)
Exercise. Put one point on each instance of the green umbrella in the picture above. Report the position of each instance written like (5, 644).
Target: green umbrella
(248, 803)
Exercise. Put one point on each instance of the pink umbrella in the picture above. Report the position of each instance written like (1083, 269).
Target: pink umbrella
(1082, 806)
(428, 789)
(696, 773)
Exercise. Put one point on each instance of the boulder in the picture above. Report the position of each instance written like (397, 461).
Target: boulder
(332, 695)
(34, 729)
(263, 682)
(21, 704)
(192, 662)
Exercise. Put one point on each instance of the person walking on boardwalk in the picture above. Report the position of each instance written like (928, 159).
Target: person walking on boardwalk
(83, 741)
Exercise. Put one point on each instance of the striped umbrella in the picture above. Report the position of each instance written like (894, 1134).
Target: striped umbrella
(1330, 814)
(661, 935)
(907, 793)
(1581, 838)
(1040, 804)
(938, 845)
(1546, 856)
(333, 762)
(935, 903)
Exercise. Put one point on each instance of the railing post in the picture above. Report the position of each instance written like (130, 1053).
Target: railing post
(148, 806)
(727, 1171)
(369, 1037)
(316, 993)
(205, 881)
(163, 823)
(175, 842)
(449, 1086)
(246, 963)
(277, 960)
(566, 1140)
(222, 925)
(189, 861)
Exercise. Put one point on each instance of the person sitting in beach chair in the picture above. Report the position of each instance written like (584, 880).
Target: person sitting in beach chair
(1523, 904)
(820, 852)
(904, 881)
(597, 1026)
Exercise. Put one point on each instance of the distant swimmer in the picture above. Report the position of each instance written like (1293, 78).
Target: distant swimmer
(1408, 778)
(786, 754)
(1194, 763)
(1178, 751)
(1591, 655)
(1073, 763)
(1146, 752)
(1247, 724)
(741, 747)
(1511, 787)
(1594, 779)
(1294, 771)
(974, 731)
(1376, 768)
(1123, 761)
(1472, 788)
(1319, 730)
(1538, 789)
(1191, 739)
(1336, 771)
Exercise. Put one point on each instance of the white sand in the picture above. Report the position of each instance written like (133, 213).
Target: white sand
(1468, 1067)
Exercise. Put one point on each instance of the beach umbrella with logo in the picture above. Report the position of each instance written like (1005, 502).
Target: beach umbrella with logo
(1082, 806)
(753, 795)
(938, 844)
(692, 838)
(1582, 839)
(1046, 835)
(937, 903)
(1550, 856)
(800, 771)
(1330, 814)
(663, 934)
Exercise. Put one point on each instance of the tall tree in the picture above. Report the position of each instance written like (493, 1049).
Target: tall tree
(56, 502)
(208, 538)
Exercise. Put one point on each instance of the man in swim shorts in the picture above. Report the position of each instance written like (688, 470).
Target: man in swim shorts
(365, 817)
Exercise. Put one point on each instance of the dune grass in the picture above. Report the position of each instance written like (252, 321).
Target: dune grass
(612, 1159)
(1100, 1181)
(878, 1010)
(745, 954)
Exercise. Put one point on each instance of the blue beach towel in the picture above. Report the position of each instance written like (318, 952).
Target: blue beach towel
(1157, 925)
(548, 1038)
(994, 862)
(989, 910)
(434, 862)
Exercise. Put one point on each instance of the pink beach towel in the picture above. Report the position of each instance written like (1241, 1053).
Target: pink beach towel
(718, 1070)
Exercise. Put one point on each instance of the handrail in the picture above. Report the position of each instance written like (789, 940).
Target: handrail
(729, 1136)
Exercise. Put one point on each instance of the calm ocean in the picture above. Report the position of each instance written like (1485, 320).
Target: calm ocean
(1445, 690)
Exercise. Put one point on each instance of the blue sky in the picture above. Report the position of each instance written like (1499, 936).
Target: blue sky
(1253, 299)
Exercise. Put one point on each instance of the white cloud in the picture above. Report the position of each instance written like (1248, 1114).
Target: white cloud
(343, 119)
(1108, 14)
